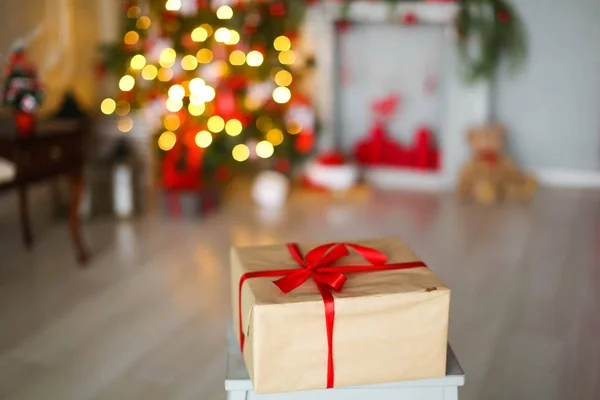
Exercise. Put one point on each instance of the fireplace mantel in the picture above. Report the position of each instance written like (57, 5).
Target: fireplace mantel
(465, 104)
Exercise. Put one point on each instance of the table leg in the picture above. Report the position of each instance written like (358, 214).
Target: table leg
(24, 214)
(74, 225)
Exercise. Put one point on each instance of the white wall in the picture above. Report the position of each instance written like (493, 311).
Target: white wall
(553, 105)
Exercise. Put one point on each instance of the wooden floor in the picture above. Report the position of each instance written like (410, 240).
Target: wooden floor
(147, 319)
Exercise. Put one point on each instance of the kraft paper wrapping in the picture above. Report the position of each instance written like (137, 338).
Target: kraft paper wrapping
(389, 325)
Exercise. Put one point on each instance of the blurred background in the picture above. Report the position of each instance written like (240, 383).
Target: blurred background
(140, 139)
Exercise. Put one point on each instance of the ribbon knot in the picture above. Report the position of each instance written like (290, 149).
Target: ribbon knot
(319, 264)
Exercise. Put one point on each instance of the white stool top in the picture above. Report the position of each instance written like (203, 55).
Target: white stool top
(7, 171)
(237, 375)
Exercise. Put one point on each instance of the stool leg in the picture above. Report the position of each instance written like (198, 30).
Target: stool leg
(74, 227)
(24, 214)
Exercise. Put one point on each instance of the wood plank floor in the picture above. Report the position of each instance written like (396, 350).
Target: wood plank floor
(147, 319)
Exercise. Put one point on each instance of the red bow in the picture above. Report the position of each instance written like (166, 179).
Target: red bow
(318, 265)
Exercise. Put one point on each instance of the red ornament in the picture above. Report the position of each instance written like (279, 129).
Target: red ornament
(25, 123)
(410, 18)
(503, 16)
(304, 142)
(423, 139)
(277, 9)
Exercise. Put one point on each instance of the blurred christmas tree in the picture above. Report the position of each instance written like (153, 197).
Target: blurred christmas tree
(217, 81)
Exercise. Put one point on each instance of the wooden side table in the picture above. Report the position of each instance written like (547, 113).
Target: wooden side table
(239, 386)
(56, 149)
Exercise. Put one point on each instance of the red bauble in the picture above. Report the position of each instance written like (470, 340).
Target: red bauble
(304, 142)
(503, 16)
(25, 123)
(410, 18)
(277, 9)
(332, 157)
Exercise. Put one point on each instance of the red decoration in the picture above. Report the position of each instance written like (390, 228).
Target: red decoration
(332, 157)
(304, 142)
(277, 9)
(25, 123)
(174, 178)
(318, 265)
(423, 140)
(503, 16)
(410, 18)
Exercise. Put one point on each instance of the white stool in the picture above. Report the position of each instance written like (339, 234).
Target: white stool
(239, 386)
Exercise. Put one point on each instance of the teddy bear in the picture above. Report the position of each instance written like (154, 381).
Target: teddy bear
(491, 175)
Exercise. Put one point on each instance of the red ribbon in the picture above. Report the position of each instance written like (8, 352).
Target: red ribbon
(317, 265)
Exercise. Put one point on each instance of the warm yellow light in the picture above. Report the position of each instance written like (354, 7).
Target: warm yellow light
(264, 123)
(138, 61)
(196, 85)
(235, 37)
(237, 57)
(294, 127)
(233, 127)
(167, 57)
(199, 34)
(189, 63)
(126, 83)
(174, 105)
(143, 23)
(215, 124)
(176, 92)
(167, 140)
(283, 78)
(240, 152)
(131, 37)
(165, 74)
(264, 149)
(204, 56)
(125, 124)
(203, 139)
(196, 99)
(254, 58)
(224, 12)
(108, 106)
(149, 72)
(207, 28)
(222, 35)
(172, 122)
(287, 57)
(196, 109)
(123, 108)
(275, 136)
(173, 5)
(282, 43)
(282, 95)
(133, 12)
(207, 93)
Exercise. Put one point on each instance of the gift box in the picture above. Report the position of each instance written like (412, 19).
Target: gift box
(338, 314)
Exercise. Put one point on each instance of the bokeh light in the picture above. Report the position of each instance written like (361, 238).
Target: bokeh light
(174, 105)
(264, 149)
(167, 140)
(138, 61)
(283, 78)
(204, 56)
(176, 92)
(264, 123)
(131, 37)
(143, 23)
(196, 109)
(108, 106)
(215, 124)
(282, 43)
(123, 108)
(167, 57)
(149, 72)
(287, 57)
(233, 127)
(282, 95)
(189, 63)
(222, 35)
(126, 83)
(240, 152)
(275, 136)
(235, 37)
(172, 122)
(203, 139)
(199, 34)
(125, 124)
(237, 57)
(165, 74)
(254, 58)
(224, 12)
